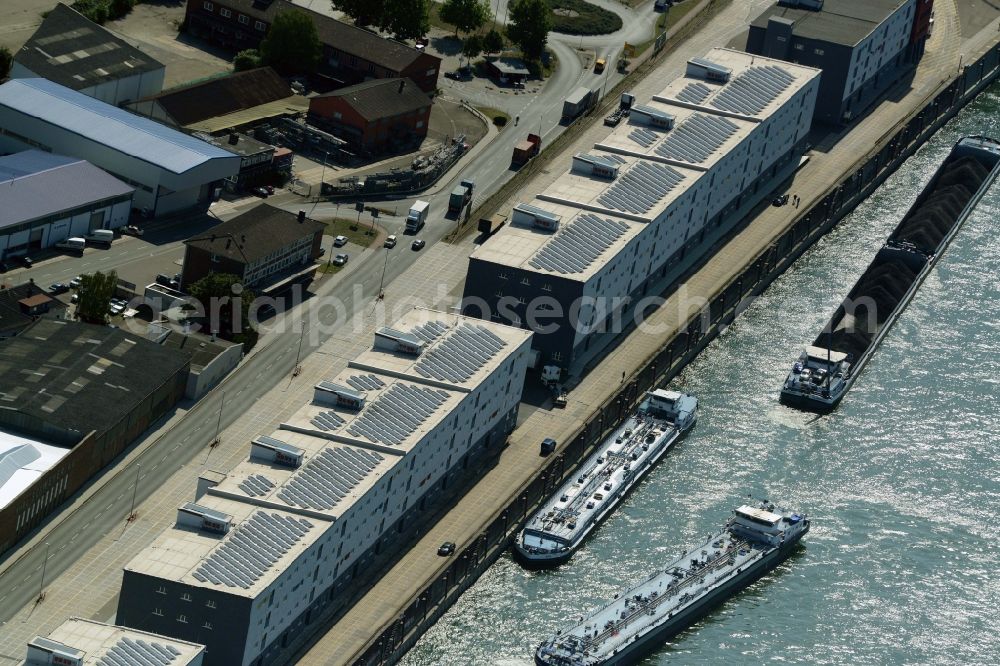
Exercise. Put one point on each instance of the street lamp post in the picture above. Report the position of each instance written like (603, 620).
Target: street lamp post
(218, 424)
(41, 584)
(298, 355)
(135, 490)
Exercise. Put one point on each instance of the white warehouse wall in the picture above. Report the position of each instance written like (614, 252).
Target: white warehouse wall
(887, 42)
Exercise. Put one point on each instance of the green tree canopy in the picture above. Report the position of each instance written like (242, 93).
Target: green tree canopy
(472, 46)
(94, 296)
(466, 15)
(6, 59)
(406, 19)
(530, 22)
(364, 12)
(493, 42)
(216, 293)
(246, 59)
(292, 44)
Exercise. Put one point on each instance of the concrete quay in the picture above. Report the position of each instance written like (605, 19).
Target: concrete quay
(391, 616)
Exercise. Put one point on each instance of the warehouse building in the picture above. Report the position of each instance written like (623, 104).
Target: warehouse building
(73, 51)
(383, 115)
(862, 46)
(646, 204)
(89, 390)
(350, 54)
(267, 547)
(80, 642)
(169, 170)
(259, 246)
(47, 198)
(257, 166)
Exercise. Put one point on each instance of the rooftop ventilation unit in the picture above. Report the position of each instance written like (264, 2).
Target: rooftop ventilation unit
(534, 216)
(274, 450)
(647, 115)
(702, 68)
(203, 518)
(390, 339)
(45, 651)
(601, 167)
(815, 5)
(335, 395)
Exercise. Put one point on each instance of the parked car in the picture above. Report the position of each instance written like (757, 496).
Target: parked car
(340, 259)
(76, 282)
(269, 188)
(418, 244)
(26, 261)
(779, 201)
(133, 230)
(259, 191)
(390, 242)
(340, 241)
(446, 549)
(74, 298)
(58, 288)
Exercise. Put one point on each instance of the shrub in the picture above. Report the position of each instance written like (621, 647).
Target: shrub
(588, 20)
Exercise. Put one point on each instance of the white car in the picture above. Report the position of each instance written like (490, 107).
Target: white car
(340, 241)
(340, 260)
(390, 242)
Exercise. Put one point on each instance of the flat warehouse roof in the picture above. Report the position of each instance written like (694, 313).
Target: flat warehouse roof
(110, 126)
(106, 645)
(22, 461)
(844, 22)
(36, 184)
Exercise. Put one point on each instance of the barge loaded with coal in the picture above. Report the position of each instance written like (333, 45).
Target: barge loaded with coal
(555, 531)
(827, 368)
(755, 540)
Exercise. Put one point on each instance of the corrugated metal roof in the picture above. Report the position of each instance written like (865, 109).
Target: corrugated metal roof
(35, 184)
(108, 125)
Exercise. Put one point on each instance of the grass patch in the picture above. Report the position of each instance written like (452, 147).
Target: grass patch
(578, 17)
(329, 269)
(357, 233)
(666, 21)
(492, 113)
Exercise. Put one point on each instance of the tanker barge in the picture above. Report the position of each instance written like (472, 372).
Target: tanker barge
(825, 370)
(755, 540)
(559, 527)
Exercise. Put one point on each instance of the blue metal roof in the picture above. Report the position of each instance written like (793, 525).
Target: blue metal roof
(35, 184)
(102, 123)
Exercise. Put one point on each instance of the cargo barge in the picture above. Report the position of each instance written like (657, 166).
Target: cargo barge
(558, 528)
(825, 370)
(756, 539)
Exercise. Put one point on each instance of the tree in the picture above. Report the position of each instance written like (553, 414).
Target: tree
(364, 12)
(94, 296)
(217, 293)
(246, 59)
(493, 42)
(292, 44)
(472, 46)
(466, 15)
(530, 22)
(406, 19)
(6, 60)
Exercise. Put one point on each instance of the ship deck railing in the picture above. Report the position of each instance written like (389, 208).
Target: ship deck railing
(644, 607)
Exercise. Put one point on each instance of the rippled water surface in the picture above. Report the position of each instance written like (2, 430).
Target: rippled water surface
(902, 481)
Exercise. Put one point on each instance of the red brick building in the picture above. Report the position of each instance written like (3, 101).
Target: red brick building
(350, 54)
(384, 115)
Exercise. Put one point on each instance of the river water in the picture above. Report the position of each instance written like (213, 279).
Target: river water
(902, 481)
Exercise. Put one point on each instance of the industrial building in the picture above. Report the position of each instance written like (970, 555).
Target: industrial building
(862, 46)
(88, 390)
(383, 115)
(259, 246)
(350, 54)
(169, 170)
(73, 51)
(266, 548)
(646, 204)
(257, 165)
(47, 198)
(80, 642)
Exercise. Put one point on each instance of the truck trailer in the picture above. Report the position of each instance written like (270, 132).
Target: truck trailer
(527, 149)
(417, 216)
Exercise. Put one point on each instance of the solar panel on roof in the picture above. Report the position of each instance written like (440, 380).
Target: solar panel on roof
(641, 187)
(429, 331)
(365, 382)
(256, 485)
(327, 478)
(251, 549)
(751, 92)
(131, 652)
(578, 245)
(694, 93)
(696, 138)
(327, 421)
(396, 413)
(644, 137)
(461, 354)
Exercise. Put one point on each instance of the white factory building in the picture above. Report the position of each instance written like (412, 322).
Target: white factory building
(267, 546)
(47, 198)
(646, 204)
(80, 642)
(170, 170)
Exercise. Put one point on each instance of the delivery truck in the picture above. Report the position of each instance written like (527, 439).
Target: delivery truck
(101, 237)
(526, 149)
(417, 216)
(460, 196)
(75, 244)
